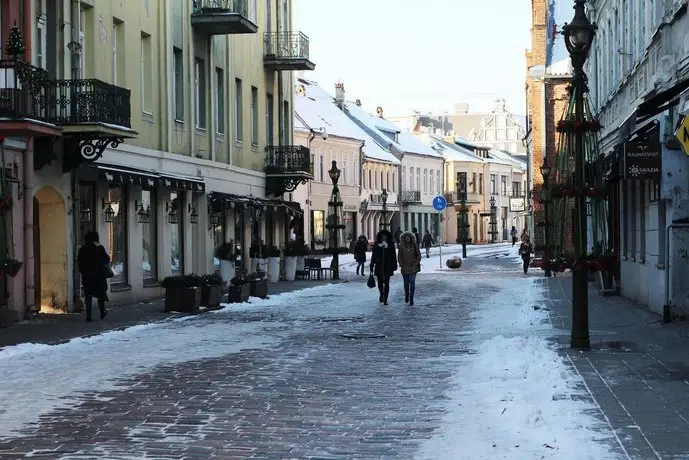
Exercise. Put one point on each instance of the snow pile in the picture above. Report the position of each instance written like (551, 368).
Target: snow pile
(516, 397)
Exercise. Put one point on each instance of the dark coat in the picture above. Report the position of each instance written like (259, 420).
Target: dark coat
(384, 259)
(360, 251)
(92, 259)
(427, 240)
(418, 239)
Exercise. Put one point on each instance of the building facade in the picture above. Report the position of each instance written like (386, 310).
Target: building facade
(639, 77)
(165, 168)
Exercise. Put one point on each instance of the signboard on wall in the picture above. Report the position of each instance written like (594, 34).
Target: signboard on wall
(642, 160)
(517, 204)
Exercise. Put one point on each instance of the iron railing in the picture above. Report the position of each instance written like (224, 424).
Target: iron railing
(23, 90)
(240, 7)
(411, 196)
(288, 159)
(89, 101)
(377, 198)
(286, 45)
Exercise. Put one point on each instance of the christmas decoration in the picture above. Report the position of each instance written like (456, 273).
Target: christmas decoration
(15, 43)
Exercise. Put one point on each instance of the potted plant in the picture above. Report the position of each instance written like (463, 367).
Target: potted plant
(212, 289)
(227, 253)
(183, 293)
(272, 254)
(239, 288)
(258, 284)
(292, 252)
(11, 267)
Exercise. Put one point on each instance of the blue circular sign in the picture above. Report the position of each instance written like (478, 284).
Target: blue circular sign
(439, 203)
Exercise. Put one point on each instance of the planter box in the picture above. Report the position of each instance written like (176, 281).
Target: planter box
(185, 300)
(259, 288)
(290, 268)
(211, 296)
(239, 294)
(227, 270)
(273, 270)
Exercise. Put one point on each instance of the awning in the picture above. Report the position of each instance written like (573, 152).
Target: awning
(661, 101)
(120, 175)
(182, 183)
(218, 199)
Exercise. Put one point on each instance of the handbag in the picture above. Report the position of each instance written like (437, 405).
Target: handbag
(371, 283)
(108, 271)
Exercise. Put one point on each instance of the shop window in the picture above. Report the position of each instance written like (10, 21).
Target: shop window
(87, 205)
(176, 208)
(149, 235)
(116, 233)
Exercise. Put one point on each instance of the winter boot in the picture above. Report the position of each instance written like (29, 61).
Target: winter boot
(411, 300)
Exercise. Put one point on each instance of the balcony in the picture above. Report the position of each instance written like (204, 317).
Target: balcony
(411, 197)
(287, 166)
(23, 96)
(222, 17)
(472, 198)
(287, 51)
(377, 199)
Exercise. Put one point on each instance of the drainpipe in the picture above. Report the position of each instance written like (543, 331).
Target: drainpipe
(311, 137)
(29, 254)
(74, 173)
(667, 308)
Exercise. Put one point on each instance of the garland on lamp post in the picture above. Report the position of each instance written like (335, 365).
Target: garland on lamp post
(576, 126)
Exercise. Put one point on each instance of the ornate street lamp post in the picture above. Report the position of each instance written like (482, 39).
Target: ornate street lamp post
(578, 39)
(545, 200)
(384, 197)
(493, 219)
(335, 223)
(462, 220)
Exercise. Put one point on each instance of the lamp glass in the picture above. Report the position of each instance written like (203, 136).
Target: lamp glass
(492, 201)
(579, 37)
(109, 214)
(334, 173)
(172, 216)
(545, 170)
(85, 214)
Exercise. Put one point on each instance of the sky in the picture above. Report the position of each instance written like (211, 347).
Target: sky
(425, 55)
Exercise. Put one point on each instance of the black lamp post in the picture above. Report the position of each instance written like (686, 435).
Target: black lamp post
(462, 220)
(384, 197)
(493, 219)
(578, 39)
(334, 222)
(545, 200)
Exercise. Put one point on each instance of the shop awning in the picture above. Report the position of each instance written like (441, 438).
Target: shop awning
(120, 175)
(216, 199)
(661, 101)
(182, 183)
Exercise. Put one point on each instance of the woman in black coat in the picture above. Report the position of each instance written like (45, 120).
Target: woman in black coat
(384, 262)
(360, 253)
(92, 260)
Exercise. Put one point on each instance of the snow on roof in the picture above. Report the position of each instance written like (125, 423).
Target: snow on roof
(507, 158)
(496, 157)
(451, 152)
(467, 143)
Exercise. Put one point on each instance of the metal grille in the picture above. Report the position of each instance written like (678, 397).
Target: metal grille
(286, 45)
(288, 158)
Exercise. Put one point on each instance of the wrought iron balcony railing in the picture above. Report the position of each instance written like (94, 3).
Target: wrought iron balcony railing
(411, 196)
(223, 17)
(240, 7)
(288, 159)
(23, 89)
(287, 51)
(88, 101)
(377, 198)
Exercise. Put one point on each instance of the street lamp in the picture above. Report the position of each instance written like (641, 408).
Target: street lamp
(335, 222)
(545, 191)
(384, 197)
(493, 220)
(579, 36)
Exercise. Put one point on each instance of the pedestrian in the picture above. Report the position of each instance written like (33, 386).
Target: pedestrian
(428, 242)
(409, 258)
(525, 252)
(513, 234)
(383, 263)
(360, 254)
(417, 236)
(398, 232)
(94, 267)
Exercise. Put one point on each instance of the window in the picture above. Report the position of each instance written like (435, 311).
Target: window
(149, 236)
(40, 34)
(220, 100)
(200, 89)
(147, 90)
(254, 115)
(177, 235)
(286, 117)
(118, 67)
(418, 179)
(238, 111)
(516, 189)
(493, 184)
(270, 126)
(116, 234)
(425, 181)
(83, 43)
(440, 184)
(503, 185)
(178, 83)
(480, 183)
(474, 182)
(344, 173)
(404, 178)
(432, 182)
(322, 173)
(411, 179)
(370, 182)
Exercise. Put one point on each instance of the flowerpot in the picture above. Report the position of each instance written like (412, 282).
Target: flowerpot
(290, 268)
(273, 270)
(211, 296)
(239, 294)
(184, 300)
(227, 270)
(301, 263)
(259, 288)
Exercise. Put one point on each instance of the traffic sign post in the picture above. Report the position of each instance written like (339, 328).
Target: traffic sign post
(682, 134)
(439, 204)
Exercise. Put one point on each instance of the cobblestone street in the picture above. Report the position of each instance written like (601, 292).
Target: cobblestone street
(342, 380)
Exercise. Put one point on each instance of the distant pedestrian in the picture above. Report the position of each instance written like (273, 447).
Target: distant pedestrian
(398, 232)
(409, 258)
(383, 263)
(428, 242)
(513, 234)
(93, 263)
(525, 252)
(360, 254)
(417, 236)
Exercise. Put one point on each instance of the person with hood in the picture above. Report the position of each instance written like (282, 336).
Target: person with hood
(409, 258)
(428, 242)
(92, 260)
(360, 253)
(383, 263)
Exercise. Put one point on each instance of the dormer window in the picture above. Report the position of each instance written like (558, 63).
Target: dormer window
(391, 134)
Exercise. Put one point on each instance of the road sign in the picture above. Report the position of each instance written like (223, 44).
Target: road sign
(439, 203)
(682, 134)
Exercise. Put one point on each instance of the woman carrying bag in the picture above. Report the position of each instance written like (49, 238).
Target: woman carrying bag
(409, 258)
(383, 263)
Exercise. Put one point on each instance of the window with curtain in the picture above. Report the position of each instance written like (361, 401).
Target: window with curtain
(176, 235)
(411, 179)
(432, 182)
(149, 236)
(116, 234)
(425, 181)
(418, 179)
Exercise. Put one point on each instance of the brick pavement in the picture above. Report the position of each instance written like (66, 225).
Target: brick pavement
(637, 370)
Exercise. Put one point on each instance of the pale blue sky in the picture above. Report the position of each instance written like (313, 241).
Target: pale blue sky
(419, 54)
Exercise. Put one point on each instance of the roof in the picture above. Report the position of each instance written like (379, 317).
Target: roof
(506, 159)
(467, 143)
(450, 152)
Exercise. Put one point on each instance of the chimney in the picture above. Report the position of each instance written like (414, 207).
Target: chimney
(379, 111)
(358, 102)
(340, 94)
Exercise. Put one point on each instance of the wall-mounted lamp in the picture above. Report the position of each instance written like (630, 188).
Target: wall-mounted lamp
(215, 218)
(172, 215)
(143, 215)
(109, 211)
(85, 214)
(193, 214)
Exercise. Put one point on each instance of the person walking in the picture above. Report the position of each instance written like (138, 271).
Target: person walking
(525, 252)
(417, 236)
(513, 234)
(383, 263)
(409, 258)
(360, 254)
(93, 263)
(398, 232)
(428, 242)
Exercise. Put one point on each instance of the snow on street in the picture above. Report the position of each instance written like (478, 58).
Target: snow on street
(327, 372)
